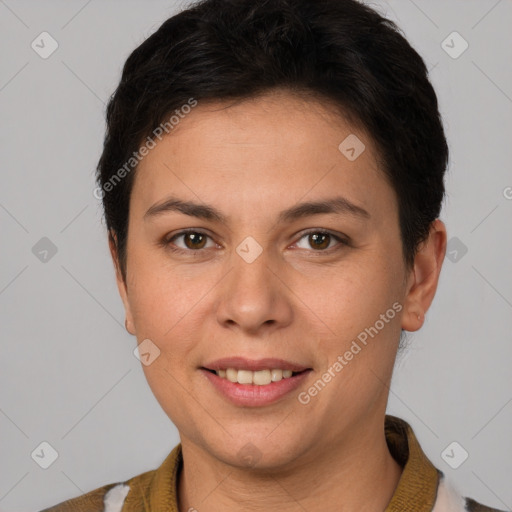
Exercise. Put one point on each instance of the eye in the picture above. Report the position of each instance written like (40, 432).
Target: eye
(321, 240)
(192, 240)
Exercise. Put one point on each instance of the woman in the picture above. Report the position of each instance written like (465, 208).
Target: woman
(272, 178)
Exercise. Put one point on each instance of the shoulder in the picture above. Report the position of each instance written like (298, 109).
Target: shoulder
(109, 498)
(449, 500)
(133, 495)
(93, 501)
(422, 485)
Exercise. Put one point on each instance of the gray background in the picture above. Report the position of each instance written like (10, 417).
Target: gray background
(68, 374)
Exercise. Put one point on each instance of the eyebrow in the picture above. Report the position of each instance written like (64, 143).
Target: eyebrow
(338, 205)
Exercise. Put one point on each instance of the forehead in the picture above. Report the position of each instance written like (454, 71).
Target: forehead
(279, 145)
(277, 119)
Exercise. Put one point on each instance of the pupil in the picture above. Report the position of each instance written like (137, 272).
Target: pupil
(316, 237)
(195, 239)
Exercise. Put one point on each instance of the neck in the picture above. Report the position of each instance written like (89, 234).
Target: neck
(358, 474)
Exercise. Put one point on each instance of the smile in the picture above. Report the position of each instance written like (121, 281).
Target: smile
(259, 378)
(254, 383)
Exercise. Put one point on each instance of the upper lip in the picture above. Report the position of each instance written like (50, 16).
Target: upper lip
(242, 363)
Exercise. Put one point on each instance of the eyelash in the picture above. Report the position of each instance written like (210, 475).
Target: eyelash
(168, 242)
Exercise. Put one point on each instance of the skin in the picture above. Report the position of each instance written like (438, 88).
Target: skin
(251, 160)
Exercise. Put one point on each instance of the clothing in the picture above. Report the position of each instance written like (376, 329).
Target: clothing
(422, 487)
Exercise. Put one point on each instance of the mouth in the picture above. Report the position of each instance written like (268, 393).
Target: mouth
(258, 378)
(254, 383)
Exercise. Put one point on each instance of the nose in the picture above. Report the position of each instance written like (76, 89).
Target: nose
(253, 297)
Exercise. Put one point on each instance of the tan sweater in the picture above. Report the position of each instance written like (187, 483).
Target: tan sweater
(422, 488)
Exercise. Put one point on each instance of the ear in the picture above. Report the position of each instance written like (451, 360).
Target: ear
(121, 284)
(422, 283)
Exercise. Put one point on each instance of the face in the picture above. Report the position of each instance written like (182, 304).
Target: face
(255, 243)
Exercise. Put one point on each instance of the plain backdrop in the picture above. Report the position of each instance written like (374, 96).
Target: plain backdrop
(68, 374)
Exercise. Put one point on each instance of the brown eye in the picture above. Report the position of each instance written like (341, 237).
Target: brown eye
(322, 241)
(194, 240)
(190, 241)
(319, 240)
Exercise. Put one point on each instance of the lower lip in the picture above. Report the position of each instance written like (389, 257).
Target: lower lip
(252, 395)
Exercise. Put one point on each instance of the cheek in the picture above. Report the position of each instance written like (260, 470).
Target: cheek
(362, 308)
(162, 295)
(165, 311)
(353, 296)
(171, 390)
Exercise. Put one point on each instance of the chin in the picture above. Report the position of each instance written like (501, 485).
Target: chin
(257, 452)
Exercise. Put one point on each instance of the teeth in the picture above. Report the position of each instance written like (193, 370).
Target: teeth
(244, 377)
(260, 378)
(231, 375)
(276, 375)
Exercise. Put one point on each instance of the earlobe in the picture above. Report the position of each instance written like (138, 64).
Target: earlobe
(424, 277)
(129, 326)
(121, 285)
